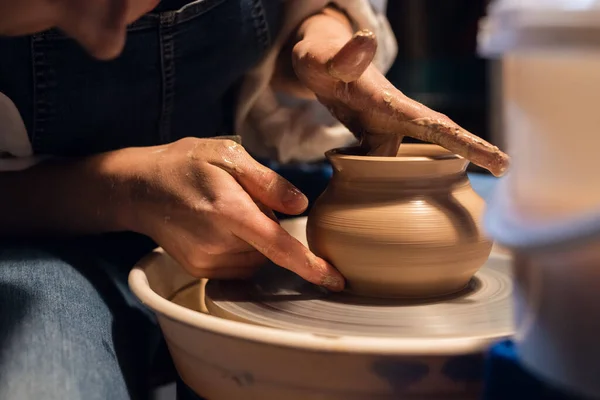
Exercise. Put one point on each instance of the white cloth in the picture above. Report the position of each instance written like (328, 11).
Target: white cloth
(15, 149)
(273, 125)
(270, 124)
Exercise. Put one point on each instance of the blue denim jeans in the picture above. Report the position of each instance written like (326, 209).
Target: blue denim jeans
(69, 326)
(69, 329)
(177, 77)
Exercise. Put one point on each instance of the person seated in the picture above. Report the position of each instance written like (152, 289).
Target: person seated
(110, 117)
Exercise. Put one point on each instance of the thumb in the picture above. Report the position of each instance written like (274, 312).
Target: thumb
(352, 60)
(328, 46)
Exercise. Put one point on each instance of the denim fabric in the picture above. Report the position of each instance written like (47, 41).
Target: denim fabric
(67, 331)
(174, 79)
(70, 328)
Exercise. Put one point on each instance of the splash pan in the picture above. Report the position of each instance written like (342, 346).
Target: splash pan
(276, 337)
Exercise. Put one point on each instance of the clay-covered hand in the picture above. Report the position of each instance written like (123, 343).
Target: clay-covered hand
(208, 204)
(336, 64)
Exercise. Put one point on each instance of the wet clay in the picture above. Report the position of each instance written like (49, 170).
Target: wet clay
(406, 226)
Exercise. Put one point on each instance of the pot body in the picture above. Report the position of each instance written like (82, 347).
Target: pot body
(406, 226)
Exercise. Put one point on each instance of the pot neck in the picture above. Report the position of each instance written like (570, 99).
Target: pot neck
(419, 163)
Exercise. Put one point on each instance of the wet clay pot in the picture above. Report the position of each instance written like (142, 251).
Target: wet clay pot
(406, 226)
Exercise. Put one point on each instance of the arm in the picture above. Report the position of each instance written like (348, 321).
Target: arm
(199, 199)
(56, 197)
(84, 196)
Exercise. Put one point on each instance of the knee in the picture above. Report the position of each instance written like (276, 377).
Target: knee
(56, 336)
(36, 284)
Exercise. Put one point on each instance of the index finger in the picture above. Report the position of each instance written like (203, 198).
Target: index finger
(269, 238)
(262, 183)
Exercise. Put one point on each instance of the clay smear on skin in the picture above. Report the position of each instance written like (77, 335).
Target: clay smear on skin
(351, 62)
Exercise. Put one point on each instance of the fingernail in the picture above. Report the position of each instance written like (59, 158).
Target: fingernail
(294, 200)
(353, 59)
(331, 279)
(333, 283)
(328, 276)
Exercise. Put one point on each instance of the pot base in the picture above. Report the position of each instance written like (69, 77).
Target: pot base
(411, 292)
(279, 299)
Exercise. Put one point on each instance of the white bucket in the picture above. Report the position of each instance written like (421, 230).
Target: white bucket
(548, 207)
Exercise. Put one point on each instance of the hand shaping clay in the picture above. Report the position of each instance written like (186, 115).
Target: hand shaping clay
(379, 114)
(406, 226)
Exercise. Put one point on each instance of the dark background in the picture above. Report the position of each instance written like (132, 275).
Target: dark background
(437, 61)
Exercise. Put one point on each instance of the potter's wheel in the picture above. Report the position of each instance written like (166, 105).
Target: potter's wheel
(278, 298)
(302, 343)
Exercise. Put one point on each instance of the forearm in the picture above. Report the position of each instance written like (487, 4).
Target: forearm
(83, 196)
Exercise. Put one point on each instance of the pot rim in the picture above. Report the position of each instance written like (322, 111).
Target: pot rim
(139, 284)
(438, 154)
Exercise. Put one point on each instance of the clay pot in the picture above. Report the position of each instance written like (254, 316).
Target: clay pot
(406, 226)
